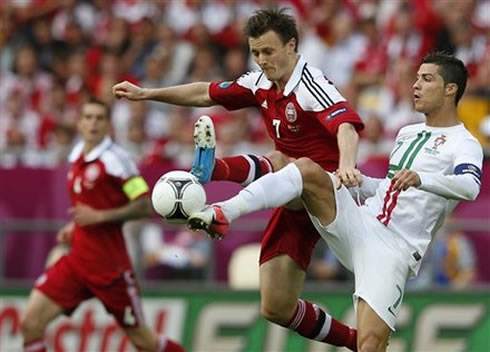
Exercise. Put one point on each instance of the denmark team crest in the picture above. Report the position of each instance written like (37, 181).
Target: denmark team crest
(291, 114)
(92, 172)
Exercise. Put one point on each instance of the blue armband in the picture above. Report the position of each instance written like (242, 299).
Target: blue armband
(471, 169)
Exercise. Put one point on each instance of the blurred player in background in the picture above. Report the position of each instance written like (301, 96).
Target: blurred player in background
(305, 115)
(106, 190)
(433, 166)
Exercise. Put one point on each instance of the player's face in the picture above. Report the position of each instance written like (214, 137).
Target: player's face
(272, 55)
(94, 123)
(428, 89)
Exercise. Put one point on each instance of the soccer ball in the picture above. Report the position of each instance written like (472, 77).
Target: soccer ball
(176, 195)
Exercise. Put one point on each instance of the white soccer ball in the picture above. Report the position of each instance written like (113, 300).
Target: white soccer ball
(176, 195)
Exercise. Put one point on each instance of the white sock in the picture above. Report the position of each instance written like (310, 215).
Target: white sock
(270, 191)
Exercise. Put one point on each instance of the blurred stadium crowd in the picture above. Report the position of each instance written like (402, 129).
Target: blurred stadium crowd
(56, 53)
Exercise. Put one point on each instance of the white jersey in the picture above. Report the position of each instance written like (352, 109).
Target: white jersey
(448, 162)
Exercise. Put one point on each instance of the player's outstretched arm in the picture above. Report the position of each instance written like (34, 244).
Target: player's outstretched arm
(84, 215)
(192, 94)
(348, 140)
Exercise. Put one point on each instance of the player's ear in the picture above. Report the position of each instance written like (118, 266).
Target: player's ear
(291, 45)
(451, 89)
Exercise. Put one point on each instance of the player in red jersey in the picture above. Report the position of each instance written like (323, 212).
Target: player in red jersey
(106, 190)
(305, 115)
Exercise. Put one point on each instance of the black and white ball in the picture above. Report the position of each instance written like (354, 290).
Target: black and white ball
(176, 195)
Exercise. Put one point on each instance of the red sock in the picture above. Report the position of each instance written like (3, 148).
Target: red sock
(312, 322)
(167, 345)
(242, 169)
(35, 346)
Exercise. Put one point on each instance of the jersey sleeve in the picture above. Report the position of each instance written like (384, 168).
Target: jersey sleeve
(337, 114)
(234, 95)
(317, 95)
(124, 171)
(465, 181)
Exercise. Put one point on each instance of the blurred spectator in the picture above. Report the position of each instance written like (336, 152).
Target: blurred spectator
(186, 253)
(142, 42)
(371, 64)
(404, 40)
(344, 50)
(235, 63)
(325, 266)
(235, 133)
(132, 11)
(73, 13)
(177, 55)
(451, 262)
(469, 47)
(28, 79)
(385, 109)
(45, 45)
(19, 130)
(485, 132)
(203, 67)
(57, 52)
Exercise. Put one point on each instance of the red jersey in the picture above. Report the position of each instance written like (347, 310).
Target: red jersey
(104, 178)
(302, 120)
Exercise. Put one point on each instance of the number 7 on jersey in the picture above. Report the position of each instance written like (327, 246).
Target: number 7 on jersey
(276, 123)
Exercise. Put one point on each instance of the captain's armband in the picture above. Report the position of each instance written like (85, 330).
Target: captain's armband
(135, 187)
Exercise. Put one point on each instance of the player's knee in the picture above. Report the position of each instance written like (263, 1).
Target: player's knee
(278, 160)
(31, 328)
(277, 311)
(142, 344)
(142, 338)
(370, 341)
(309, 169)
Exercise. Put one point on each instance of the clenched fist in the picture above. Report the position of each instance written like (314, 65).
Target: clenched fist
(129, 91)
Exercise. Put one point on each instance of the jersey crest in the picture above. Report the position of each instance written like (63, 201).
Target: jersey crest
(290, 111)
(439, 141)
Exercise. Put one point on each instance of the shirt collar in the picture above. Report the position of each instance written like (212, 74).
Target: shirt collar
(95, 153)
(295, 76)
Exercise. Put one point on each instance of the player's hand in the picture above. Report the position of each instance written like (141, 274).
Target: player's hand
(349, 177)
(404, 179)
(128, 90)
(64, 235)
(84, 215)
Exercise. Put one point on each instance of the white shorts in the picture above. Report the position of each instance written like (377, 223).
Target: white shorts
(368, 249)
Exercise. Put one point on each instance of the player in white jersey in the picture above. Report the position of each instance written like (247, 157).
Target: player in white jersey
(433, 166)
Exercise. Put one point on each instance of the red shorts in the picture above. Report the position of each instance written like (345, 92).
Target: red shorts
(67, 287)
(289, 232)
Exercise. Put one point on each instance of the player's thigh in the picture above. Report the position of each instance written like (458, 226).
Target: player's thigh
(371, 329)
(142, 337)
(40, 310)
(318, 191)
(281, 283)
(122, 300)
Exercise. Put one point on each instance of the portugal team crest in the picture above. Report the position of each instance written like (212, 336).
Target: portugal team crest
(439, 141)
(291, 114)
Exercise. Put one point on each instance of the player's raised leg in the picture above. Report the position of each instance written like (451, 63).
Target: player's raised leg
(40, 311)
(302, 178)
(282, 306)
(242, 169)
